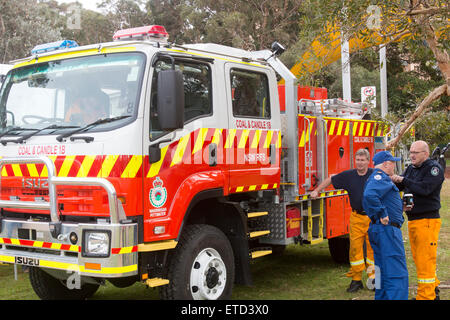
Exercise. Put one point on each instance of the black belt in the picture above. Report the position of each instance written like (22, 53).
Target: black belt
(361, 212)
(394, 224)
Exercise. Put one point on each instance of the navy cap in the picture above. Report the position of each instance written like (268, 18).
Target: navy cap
(383, 156)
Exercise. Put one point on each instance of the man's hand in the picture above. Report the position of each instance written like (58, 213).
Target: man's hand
(314, 194)
(396, 178)
(384, 220)
(405, 208)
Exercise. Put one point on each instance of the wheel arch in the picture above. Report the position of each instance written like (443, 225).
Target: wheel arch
(212, 208)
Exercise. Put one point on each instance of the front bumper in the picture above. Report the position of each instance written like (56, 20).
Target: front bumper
(48, 244)
(41, 250)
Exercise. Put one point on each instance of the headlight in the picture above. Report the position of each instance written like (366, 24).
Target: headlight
(96, 243)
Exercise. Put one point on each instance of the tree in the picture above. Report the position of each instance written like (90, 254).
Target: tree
(412, 22)
(250, 25)
(23, 25)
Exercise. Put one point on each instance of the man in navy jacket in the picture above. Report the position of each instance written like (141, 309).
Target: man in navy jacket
(383, 205)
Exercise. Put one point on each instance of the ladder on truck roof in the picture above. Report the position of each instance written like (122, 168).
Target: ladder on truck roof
(333, 108)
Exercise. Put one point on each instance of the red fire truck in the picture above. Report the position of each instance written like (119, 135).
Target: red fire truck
(140, 160)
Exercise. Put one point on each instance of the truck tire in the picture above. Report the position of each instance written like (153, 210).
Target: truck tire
(50, 288)
(202, 267)
(339, 249)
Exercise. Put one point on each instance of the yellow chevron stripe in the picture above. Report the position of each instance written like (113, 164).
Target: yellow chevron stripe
(126, 250)
(361, 129)
(132, 167)
(308, 131)
(379, 131)
(239, 189)
(44, 172)
(85, 166)
(333, 124)
(32, 170)
(181, 148)
(107, 165)
(251, 188)
(264, 186)
(355, 127)
(279, 140)
(4, 172)
(347, 128)
(216, 137)
(255, 141)
(200, 140)
(230, 138)
(155, 167)
(268, 139)
(368, 126)
(16, 170)
(65, 168)
(244, 138)
(302, 140)
(341, 124)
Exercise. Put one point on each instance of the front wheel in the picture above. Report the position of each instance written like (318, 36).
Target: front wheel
(50, 288)
(202, 267)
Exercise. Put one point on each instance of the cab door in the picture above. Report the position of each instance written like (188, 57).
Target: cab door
(253, 139)
(175, 160)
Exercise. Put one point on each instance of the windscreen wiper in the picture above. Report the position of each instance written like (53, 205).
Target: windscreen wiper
(36, 131)
(13, 129)
(90, 125)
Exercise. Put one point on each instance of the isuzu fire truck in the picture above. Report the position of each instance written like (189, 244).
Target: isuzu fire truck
(140, 160)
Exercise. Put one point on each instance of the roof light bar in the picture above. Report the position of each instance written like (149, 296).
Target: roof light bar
(53, 46)
(153, 32)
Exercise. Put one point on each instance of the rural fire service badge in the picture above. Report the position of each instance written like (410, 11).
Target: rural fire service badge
(158, 194)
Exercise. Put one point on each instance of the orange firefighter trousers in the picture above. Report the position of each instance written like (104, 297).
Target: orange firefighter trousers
(423, 236)
(359, 225)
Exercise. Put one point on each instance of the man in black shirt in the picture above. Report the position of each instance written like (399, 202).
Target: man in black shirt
(353, 182)
(423, 179)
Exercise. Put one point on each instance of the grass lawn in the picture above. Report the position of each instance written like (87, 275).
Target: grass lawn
(302, 272)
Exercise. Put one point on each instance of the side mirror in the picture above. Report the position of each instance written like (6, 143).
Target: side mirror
(170, 104)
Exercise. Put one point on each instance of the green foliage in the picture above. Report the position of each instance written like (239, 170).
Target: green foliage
(434, 128)
(23, 25)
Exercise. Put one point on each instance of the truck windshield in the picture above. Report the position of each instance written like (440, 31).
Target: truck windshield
(72, 92)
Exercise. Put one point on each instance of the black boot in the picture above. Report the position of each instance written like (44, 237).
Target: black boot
(436, 290)
(355, 286)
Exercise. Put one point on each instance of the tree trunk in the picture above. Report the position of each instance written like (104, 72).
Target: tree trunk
(434, 95)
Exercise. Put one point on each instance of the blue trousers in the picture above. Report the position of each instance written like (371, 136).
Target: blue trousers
(391, 273)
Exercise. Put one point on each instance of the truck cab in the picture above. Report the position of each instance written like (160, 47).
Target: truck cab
(117, 157)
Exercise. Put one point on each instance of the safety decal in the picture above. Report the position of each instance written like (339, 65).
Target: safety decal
(434, 171)
(188, 150)
(158, 194)
(40, 244)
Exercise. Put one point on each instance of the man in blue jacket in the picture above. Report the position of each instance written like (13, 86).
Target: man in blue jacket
(383, 205)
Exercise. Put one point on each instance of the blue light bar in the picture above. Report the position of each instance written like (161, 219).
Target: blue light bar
(53, 46)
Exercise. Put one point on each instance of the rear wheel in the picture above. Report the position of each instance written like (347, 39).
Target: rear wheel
(50, 288)
(339, 249)
(202, 267)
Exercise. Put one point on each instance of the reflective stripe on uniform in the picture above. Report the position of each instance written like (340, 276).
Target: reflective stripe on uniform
(429, 280)
(356, 263)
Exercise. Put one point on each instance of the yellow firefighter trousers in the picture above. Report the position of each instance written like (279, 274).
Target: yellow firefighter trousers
(423, 236)
(359, 224)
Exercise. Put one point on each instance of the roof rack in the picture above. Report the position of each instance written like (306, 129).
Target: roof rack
(333, 108)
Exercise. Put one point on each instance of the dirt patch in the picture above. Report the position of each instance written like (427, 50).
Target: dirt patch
(447, 173)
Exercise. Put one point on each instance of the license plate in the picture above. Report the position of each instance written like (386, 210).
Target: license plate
(27, 261)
